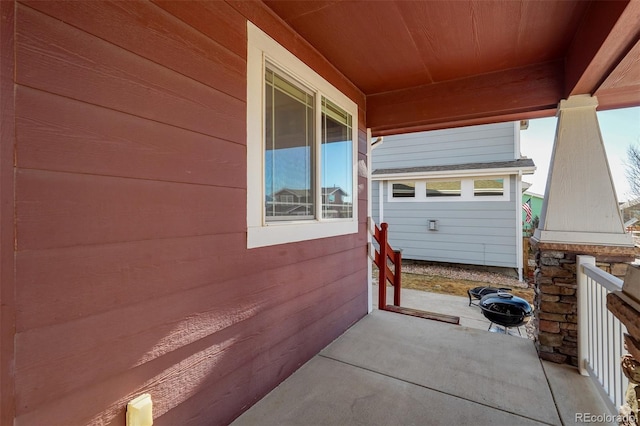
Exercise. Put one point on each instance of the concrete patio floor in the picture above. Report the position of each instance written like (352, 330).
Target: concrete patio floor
(392, 369)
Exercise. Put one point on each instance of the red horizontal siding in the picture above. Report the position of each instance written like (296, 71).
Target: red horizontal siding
(58, 58)
(148, 31)
(63, 209)
(61, 134)
(7, 229)
(193, 378)
(215, 19)
(218, 399)
(160, 326)
(54, 286)
(132, 272)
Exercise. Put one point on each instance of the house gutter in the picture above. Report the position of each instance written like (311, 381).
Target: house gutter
(457, 173)
(377, 142)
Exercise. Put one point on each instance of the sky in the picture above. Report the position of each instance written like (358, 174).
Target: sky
(620, 128)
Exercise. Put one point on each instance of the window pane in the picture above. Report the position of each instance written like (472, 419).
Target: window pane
(488, 187)
(404, 190)
(449, 188)
(289, 155)
(337, 161)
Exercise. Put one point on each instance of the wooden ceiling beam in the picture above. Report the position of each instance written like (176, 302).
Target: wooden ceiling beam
(607, 33)
(521, 93)
(621, 89)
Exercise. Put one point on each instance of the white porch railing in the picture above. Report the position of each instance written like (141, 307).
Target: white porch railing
(600, 334)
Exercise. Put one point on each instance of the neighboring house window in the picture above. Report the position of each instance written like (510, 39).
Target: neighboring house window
(488, 187)
(444, 188)
(301, 134)
(403, 190)
(287, 199)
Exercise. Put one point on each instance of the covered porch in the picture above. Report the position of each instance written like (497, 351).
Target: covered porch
(130, 179)
(395, 369)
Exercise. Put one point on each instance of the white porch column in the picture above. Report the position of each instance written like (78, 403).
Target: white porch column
(580, 216)
(580, 204)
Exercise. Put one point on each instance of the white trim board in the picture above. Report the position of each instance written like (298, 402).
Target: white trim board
(455, 173)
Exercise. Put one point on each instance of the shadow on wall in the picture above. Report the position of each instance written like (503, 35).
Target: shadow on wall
(156, 322)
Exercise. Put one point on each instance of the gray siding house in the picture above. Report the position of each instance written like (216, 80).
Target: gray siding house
(453, 195)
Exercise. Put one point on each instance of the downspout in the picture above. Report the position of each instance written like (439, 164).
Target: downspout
(517, 127)
(518, 203)
(370, 146)
(369, 238)
(381, 184)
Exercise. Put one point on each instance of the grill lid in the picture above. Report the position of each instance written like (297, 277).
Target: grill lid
(505, 309)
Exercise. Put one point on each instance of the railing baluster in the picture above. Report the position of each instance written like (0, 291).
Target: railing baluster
(592, 335)
(592, 331)
(596, 342)
(622, 379)
(601, 301)
(601, 343)
(603, 330)
(397, 285)
(612, 361)
(612, 358)
(382, 267)
(617, 344)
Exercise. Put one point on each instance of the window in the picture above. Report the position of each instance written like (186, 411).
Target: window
(288, 151)
(403, 190)
(337, 161)
(301, 150)
(445, 188)
(488, 187)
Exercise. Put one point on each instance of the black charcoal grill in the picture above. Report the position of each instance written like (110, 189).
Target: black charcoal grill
(505, 309)
(479, 292)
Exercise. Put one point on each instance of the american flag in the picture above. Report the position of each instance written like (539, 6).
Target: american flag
(526, 206)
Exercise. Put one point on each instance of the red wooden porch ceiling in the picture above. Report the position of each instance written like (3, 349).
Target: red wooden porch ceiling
(435, 64)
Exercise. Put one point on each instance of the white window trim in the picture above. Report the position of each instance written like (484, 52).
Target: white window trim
(506, 189)
(261, 233)
(416, 187)
(467, 188)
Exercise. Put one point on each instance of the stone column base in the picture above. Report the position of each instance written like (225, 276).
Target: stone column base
(555, 301)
